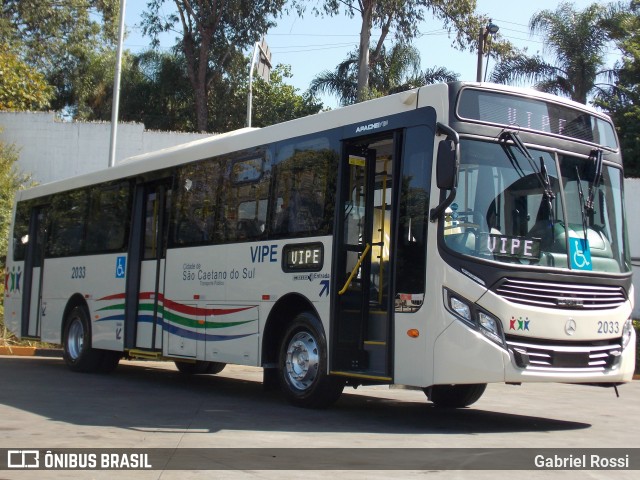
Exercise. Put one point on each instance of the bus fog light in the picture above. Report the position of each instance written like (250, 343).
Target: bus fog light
(490, 327)
(627, 332)
(461, 308)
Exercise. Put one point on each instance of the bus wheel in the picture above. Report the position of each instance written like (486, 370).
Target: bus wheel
(110, 361)
(455, 396)
(77, 351)
(302, 365)
(199, 367)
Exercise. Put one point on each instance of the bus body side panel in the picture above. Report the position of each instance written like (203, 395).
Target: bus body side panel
(217, 298)
(97, 280)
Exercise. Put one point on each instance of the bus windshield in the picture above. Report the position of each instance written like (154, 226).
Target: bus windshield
(539, 208)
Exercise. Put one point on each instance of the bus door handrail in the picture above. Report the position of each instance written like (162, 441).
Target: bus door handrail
(366, 250)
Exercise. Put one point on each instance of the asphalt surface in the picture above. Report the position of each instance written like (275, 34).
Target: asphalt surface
(148, 405)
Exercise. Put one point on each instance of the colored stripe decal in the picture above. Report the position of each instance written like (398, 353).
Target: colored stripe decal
(171, 319)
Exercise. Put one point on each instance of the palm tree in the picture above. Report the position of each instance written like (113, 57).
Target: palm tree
(576, 40)
(393, 71)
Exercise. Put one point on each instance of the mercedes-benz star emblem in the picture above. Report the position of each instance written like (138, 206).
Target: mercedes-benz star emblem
(570, 327)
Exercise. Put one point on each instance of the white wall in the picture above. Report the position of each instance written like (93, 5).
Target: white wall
(52, 150)
(632, 203)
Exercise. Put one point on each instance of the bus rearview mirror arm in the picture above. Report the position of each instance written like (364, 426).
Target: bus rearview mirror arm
(447, 166)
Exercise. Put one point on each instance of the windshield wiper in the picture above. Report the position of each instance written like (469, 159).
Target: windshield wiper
(540, 172)
(583, 206)
(594, 184)
(586, 205)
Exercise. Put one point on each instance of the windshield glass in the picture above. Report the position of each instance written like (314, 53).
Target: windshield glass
(510, 209)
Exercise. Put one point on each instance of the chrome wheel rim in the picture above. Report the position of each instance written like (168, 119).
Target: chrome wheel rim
(302, 360)
(75, 338)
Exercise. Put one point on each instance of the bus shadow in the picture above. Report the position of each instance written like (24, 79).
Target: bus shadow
(144, 398)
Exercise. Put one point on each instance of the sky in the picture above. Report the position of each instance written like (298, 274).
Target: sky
(311, 44)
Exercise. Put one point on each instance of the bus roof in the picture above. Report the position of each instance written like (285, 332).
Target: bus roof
(430, 95)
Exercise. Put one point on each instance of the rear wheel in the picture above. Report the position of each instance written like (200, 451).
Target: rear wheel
(199, 367)
(302, 365)
(455, 396)
(77, 351)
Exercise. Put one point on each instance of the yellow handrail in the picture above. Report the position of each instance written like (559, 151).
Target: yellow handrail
(355, 269)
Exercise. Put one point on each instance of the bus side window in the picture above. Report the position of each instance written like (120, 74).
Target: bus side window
(68, 222)
(21, 231)
(304, 195)
(108, 219)
(247, 197)
(198, 219)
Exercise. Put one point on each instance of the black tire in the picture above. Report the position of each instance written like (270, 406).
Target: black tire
(76, 343)
(302, 365)
(110, 361)
(216, 367)
(199, 367)
(455, 396)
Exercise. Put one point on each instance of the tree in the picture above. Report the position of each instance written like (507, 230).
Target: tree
(55, 38)
(403, 17)
(395, 70)
(21, 87)
(622, 99)
(577, 42)
(273, 102)
(211, 32)
(11, 180)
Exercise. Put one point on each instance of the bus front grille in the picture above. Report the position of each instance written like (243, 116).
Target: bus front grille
(583, 357)
(560, 295)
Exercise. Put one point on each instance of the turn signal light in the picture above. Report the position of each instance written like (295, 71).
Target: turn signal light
(413, 332)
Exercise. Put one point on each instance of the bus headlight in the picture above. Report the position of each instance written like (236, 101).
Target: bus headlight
(627, 332)
(461, 308)
(474, 316)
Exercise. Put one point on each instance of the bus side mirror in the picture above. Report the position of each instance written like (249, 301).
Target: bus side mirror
(446, 171)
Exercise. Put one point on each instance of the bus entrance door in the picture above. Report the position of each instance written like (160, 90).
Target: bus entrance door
(363, 310)
(32, 307)
(146, 285)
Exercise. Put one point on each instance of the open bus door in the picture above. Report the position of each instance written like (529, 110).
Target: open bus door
(363, 311)
(32, 307)
(147, 258)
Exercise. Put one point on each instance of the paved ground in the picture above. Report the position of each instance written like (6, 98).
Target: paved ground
(151, 405)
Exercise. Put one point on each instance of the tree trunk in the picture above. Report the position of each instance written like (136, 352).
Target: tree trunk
(363, 54)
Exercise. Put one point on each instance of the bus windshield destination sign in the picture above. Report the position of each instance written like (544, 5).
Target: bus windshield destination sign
(535, 114)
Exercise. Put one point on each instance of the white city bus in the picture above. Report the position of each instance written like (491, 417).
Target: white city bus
(442, 238)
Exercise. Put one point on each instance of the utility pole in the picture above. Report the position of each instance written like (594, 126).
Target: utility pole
(490, 29)
(116, 88)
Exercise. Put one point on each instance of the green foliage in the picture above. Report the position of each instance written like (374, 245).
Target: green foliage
(58, 38)
(277, 102)
(403, 17)
(576, 42)
(273, 102)
(21, 87)
(156, 91)
(212, 33)
(10, 181)
(622, 99)
(396, 70)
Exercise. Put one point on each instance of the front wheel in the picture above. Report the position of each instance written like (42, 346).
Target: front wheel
(455, 396)
(302, 365)
(77, 351)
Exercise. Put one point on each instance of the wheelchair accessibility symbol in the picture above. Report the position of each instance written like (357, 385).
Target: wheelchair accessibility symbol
(121, 264)
(580, 254)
